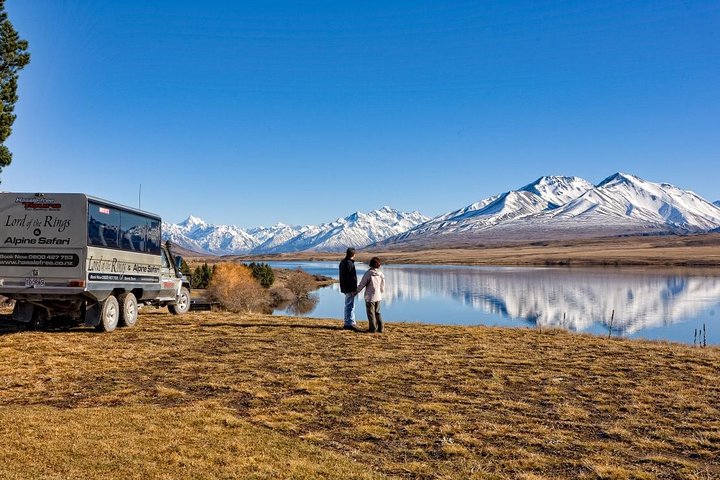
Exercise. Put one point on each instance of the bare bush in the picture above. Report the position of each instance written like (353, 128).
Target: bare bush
(281, 295)
(235, 288)
(300, 284)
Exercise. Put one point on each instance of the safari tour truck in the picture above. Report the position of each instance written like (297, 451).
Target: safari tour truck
(87, 260)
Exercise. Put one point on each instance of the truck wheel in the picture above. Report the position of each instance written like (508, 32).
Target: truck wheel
(109, 314)
(128, 310)
(40, 320)
(183, 302)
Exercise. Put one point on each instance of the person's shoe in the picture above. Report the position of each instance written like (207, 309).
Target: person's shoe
(354, 328)
(371, 331)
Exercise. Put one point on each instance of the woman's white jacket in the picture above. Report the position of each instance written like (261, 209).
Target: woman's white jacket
(374, 284)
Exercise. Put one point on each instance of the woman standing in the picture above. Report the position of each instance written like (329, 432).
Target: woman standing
(374, 284)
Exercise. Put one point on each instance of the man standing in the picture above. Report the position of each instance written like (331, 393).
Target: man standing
(348, 286)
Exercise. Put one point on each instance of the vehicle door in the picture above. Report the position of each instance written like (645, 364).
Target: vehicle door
(168, 278)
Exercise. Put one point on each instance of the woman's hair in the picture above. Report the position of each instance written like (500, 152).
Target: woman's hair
(374, 262)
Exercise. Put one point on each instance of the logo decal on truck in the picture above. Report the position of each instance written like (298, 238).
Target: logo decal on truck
(50, 221)
(37, 241)
(39, 203)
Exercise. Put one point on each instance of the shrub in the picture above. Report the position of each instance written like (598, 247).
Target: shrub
(263, 273)
(235, 288)
(300, 283)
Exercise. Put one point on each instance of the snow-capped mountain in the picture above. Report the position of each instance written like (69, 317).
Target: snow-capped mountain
(716, 203)
(357, 230)
(560, 207)
(626, 198)
(544, 194)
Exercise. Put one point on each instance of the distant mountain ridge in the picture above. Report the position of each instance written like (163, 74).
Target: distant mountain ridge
(550, 208)
(555, 207)
(357, 230)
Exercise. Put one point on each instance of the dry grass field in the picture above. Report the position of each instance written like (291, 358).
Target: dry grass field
(216, 395)
(670, 250)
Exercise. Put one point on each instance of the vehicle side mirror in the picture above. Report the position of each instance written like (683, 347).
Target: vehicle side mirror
(178, 261)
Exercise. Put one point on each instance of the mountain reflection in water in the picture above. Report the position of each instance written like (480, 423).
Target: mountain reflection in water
(569, 298)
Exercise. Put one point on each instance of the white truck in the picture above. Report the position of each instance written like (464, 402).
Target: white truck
(86, 260)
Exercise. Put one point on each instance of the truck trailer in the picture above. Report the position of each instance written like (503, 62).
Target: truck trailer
(86, 260)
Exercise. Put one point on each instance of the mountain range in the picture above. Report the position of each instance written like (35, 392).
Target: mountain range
(556, 207)
(357, 230)
(551, 207)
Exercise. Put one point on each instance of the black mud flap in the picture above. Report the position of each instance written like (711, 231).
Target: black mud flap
(23, 312)
(92, 314)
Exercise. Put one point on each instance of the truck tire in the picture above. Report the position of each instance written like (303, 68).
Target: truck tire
(183, 302)
(109, 315)
(128, 310)
(40, 320)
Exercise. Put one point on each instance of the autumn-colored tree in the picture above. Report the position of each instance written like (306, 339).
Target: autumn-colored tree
(235, 288)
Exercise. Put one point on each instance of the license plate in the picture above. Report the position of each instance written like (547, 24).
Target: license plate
(34, 282)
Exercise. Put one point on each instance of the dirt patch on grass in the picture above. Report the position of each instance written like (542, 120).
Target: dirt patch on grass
(419, 401)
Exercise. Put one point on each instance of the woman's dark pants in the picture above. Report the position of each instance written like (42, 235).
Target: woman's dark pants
(374, 317)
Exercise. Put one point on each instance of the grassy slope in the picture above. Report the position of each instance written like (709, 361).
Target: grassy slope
(222, 395)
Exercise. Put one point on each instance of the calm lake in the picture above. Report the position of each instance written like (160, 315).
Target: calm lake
(646, 304)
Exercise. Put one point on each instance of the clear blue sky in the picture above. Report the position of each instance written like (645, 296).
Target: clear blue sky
(253, 112)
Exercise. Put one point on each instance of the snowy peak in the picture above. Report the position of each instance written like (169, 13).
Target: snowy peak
(557, 190)
(620, 178)
(716, 203)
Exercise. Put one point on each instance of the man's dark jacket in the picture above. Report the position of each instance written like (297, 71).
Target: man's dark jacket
(348, 277)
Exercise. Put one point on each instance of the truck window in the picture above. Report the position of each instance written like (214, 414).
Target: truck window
(116, 228)
(153, 236)
(133, 232)
(103, 226)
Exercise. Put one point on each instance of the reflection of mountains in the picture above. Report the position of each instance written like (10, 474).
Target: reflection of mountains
(571, 299)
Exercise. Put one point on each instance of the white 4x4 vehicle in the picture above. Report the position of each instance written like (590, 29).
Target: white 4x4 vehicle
(88, 260)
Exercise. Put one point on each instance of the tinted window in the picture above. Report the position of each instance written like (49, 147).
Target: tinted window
(103, 226)
(153, 236)
(133, 230)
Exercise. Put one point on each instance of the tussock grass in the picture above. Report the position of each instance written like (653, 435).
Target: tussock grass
(252, 396)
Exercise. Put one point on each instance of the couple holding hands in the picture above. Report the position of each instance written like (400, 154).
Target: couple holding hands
(374, 284)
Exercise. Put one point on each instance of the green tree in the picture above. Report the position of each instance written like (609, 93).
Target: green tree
(185, 268)
(202, 275)
(263, 273)
(14, 56)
